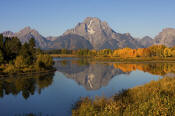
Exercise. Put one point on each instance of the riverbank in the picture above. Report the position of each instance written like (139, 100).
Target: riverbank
(26, 73)
(154, 98)
(62, 55)
(116, 59)
(41, 63)
(135, 60)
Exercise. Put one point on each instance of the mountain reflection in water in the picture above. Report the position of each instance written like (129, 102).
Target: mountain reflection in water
(92, 75)
(54, 93)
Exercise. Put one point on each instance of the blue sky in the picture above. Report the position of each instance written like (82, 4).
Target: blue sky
(53, 17)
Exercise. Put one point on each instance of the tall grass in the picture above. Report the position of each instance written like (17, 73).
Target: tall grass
(154, 98)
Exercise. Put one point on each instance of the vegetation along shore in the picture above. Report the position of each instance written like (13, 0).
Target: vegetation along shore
(158, 53)
(155, 98)
(16, 58)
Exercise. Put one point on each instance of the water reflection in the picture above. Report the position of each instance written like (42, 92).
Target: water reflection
(92, 75)
(32, 114)
(27, 85)
(54, 94)
(161, 69)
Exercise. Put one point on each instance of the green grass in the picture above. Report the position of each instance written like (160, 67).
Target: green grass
(152, 99)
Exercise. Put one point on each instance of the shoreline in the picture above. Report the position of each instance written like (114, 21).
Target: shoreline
(159, 92)
(117, 59)
(26, 73)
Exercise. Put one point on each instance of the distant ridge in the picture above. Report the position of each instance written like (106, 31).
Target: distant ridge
(93, 33)
(26, 34)
(166, 37)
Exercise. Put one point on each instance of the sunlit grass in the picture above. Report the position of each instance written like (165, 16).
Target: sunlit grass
(154, 98)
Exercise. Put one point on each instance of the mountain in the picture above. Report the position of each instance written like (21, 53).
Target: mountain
(51, 38)
(26, 34)
(126, 40)
(101, 36)
(166, 37)
(8, 34)
(70, 41)
(146, 41)
(93, 33)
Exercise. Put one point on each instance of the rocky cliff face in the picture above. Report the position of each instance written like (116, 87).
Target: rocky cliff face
(166, 37)
(94, 30)
(101, 36)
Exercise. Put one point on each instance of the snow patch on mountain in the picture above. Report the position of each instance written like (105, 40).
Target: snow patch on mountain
(90, 29)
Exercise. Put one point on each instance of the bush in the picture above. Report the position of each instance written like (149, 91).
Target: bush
(43, 62)
(19, 62)
(10, 68)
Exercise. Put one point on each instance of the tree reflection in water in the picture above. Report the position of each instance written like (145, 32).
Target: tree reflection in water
(153, 68)
(28, 85)
(32, 114)
(93, 75)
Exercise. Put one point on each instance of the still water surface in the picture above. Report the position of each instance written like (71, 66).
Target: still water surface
(54, 94)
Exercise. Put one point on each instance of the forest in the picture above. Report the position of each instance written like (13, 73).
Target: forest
(20, 58)
(154, 51)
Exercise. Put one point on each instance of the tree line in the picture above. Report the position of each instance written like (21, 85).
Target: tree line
(17, 57)
(159, 51)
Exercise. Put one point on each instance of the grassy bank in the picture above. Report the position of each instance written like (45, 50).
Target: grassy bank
(42, 63)
(62, 55)
(117, 59)
(154, 98)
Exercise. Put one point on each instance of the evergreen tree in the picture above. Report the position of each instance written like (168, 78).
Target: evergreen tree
(32, 43)
(1, 41)
(25, 52)
(1, 57)
(11, 48)
(15, 45)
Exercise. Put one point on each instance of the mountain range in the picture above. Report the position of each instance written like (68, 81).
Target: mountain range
(93, 33)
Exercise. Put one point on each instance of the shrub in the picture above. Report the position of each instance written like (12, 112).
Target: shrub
(154, 98)
(10, 68)
(19, 62)
(43, 62)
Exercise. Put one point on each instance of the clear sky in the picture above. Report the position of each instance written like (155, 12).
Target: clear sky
(53, 17)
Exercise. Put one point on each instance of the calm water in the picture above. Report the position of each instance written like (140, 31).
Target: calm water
(54, 94)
